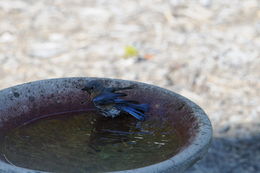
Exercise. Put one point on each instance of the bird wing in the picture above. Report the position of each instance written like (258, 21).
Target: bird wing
(132, 104)
(122, 101)
(107, 97)
(114, 89)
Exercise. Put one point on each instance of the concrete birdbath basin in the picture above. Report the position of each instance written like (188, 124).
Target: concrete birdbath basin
(52, 126)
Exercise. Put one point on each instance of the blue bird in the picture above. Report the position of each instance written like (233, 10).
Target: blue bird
(108, 101)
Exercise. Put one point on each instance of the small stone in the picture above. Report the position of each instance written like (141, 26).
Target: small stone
(47, 49)
(206, 3)
(224, 129)
(6, 37)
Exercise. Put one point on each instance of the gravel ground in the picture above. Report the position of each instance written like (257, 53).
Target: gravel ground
(206, 50)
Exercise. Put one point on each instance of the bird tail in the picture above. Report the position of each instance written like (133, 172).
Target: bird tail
(140, 107)
(137, 114)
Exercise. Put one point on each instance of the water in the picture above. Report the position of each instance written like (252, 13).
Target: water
(88, 142)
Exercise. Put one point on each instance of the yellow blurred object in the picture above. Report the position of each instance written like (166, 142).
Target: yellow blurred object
(130, 51)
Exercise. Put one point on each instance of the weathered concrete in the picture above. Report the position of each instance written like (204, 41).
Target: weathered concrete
(22, 103)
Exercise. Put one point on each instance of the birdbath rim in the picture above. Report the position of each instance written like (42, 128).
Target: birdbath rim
(196, 149)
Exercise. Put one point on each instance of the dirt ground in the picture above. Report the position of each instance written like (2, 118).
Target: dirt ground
(206, 50)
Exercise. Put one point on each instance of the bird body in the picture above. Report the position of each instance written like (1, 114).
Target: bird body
(109, 103)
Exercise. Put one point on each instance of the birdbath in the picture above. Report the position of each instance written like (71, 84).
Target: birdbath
(52, 126)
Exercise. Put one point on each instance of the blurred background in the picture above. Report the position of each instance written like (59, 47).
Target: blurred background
(206, 50)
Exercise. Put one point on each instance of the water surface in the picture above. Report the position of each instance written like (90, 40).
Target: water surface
(88, 142)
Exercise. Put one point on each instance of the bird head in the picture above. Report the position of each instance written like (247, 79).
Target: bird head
(93, 88)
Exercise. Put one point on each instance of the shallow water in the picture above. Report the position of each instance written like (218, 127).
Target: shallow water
(89, 142)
